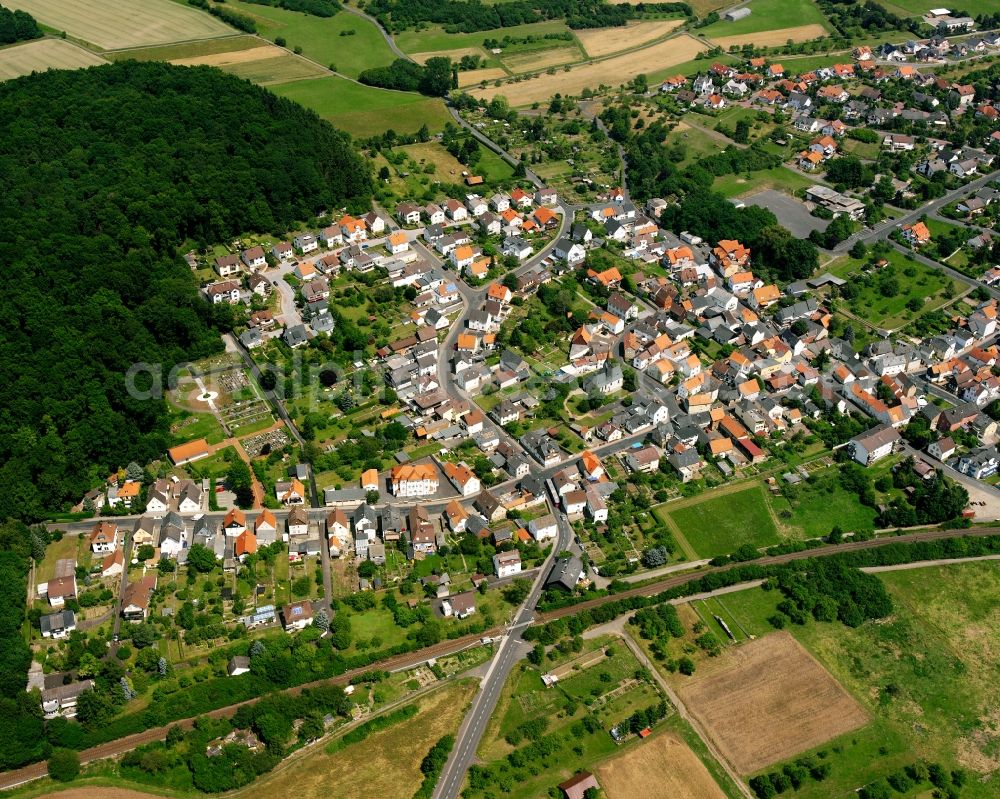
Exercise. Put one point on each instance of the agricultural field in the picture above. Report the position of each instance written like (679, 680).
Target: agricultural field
(924, 675)
(663, 767)
(610, 72)
(773, 38)
(537, 60)
(770, 18)
(884, 294)
(263, 65)
(119, 24)
(361, 110)
(768, 700)
(473, 77)
(386, 764)
(600, 42)
(43, 54)
(722, 522)
(346, 41)
(186, 50)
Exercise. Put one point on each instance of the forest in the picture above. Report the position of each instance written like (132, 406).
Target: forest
(468, 16)
(104, 174)
(433, 78)
(317, 8)
(17, 26)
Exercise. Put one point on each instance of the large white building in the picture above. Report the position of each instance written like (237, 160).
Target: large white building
(414, 480)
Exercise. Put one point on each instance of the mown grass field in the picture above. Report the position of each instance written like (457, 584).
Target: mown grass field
(362, 110)
(43, 54)
(779, 178)
(116, 24)
(769, 15)
(720, 524)
(321, 38)
(926, 674)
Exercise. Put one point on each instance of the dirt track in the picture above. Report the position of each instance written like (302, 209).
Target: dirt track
(35, 771)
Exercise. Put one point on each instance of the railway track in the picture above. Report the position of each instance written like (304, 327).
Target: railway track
(10, 779)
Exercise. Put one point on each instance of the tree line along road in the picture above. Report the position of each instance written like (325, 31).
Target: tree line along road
(10, 779)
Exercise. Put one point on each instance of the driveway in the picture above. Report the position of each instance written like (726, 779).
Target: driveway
(791, 212)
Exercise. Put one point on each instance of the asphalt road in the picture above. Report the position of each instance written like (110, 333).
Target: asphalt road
(10, 779)
(512, 649)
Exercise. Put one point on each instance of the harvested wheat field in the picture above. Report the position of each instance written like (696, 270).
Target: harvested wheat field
(454, 55)
(43, 54)
(661, 768)
(475, 76)
(802, 33)
(119, 24)
(768, 700)
(237, 57)
(386, 764)
(536, 60)
(611, 72)
(98, 792)
(605, 41)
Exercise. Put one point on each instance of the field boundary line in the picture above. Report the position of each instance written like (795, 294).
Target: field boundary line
(685, 714)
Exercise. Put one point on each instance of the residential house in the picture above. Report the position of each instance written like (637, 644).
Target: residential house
(136, 597)
(874, 445)
(297, 615)
(507, 564)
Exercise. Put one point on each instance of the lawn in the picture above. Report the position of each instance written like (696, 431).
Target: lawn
(720, 524)
(866, 150)
(779, 178)
(926, 674)
(365, 111)
(911, 280)
(323, 39)
(815, 506)
(69, 546)
(192, 426)
(769, 15)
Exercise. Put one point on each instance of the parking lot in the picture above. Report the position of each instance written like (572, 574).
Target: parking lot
(790, 211)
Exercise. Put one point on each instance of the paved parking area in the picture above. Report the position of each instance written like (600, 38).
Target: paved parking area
(791, 212)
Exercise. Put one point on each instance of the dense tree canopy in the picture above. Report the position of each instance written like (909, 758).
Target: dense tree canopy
(104, 173)
(472, 15)
(17, 26)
